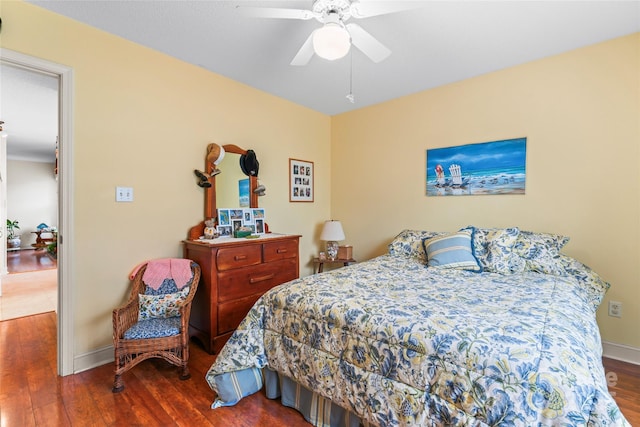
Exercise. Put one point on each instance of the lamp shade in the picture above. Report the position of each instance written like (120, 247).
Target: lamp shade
(331, 42)
(332, 231)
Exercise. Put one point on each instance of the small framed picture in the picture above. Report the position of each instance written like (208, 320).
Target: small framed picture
(300, 181)
(259, 226)
(236, 214)
(224, 230)
(223, 217)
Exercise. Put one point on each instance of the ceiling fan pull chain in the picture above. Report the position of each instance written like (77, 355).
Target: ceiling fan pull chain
(350, 96)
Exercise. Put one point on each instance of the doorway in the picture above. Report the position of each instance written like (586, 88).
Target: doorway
(29, 106)
(64, 74)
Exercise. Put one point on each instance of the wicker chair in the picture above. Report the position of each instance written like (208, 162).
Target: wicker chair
(166, 338)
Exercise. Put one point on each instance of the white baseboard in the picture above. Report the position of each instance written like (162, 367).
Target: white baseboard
(93, 359)
(621, 352)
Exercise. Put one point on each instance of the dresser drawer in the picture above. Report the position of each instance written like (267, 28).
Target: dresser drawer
(256, 279)
(231, 313)
(274, 251)
(235, 274)
(242, 256)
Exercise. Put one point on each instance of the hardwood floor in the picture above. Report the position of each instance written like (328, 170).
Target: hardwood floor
(624, 385)
(26, 294)
(29, 260)
(31, 287)
(31, 394)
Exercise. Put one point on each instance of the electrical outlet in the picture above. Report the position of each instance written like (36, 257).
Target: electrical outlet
(615, 309)
(124, 194)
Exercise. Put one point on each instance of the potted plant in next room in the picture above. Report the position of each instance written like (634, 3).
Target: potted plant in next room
(13, 238)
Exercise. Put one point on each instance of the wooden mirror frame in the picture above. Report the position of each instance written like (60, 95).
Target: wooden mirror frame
(210, 207)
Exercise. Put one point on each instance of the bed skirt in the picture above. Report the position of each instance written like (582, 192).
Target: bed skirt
(317, 410)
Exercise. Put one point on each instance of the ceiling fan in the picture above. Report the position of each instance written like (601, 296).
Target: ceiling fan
(334, 39)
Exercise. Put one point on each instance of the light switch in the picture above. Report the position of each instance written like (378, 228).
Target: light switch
(124, 194)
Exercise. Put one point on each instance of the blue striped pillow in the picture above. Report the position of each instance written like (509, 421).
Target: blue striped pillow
(233, 386)
(451, 251)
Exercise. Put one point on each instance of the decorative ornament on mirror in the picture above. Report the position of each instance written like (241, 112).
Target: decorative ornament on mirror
(260, 190)
(207, 181)
(215, 154)
(203, 179)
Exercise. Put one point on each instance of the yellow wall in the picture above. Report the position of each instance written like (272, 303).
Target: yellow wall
(580, 113)
(143, 119)
(32, 197)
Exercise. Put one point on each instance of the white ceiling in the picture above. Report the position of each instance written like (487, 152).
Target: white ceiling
(29, 108)
(438, 43)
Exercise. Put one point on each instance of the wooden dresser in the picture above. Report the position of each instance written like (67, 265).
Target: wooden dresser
(235, 273)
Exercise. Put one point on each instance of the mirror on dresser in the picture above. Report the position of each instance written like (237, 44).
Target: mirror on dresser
(224, 187)
(235, 271)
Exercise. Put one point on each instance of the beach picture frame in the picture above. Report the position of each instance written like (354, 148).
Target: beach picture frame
(224, 218)
(243, 193)
(487, 168)
(300, 181)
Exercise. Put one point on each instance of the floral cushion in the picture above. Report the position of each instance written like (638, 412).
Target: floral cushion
(153, 328)
(451, 251)
(161, 306)
(595, 286)
(541, 252)
(409, 244)
(550, 240)
(499, 252)
(532, 251)
(480, 240)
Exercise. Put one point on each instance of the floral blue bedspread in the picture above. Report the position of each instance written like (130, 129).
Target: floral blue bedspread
(399, 344)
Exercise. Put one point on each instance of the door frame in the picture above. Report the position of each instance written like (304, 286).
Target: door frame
(3, 206)
(65, 309)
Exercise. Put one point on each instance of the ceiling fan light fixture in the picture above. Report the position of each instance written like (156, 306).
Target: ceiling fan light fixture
(332, 41)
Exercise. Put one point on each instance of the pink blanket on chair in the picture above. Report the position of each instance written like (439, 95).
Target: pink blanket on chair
(178, 269)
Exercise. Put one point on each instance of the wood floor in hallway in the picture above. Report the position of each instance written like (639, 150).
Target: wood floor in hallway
(31, 287)
(29, 260)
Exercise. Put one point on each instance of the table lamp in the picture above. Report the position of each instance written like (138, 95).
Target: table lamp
(331, 233)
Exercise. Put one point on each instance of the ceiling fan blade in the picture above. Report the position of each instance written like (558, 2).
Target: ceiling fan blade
(366, 9)
(368, 44)
(305, 53)
(274, 12)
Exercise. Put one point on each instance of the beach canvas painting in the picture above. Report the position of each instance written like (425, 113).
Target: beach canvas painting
(497, 167)
(243, 192)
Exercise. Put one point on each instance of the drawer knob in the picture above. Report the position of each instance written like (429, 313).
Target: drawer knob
(240, 257)
(281, 251)
(262, 278)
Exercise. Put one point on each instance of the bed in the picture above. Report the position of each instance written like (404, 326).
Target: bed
(473, 328)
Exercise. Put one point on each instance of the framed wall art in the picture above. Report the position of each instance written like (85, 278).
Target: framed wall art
(300, 181)
(487, 168)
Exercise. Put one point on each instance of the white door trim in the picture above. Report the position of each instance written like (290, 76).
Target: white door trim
(65, 203)
(3, 206)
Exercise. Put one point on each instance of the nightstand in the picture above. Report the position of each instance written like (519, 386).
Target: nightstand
(321, 263)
